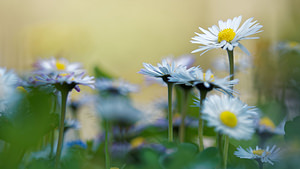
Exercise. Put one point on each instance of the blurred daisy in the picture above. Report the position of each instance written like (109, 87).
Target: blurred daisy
(227, 35)
(8, 84)
(229, 116)
(242, 63)
(195, 77)
(61, 65)
(266, 126)
(119, 86)
(65, 81)
(118, 109)
(267, 155)
(163, 70)
(287, 46)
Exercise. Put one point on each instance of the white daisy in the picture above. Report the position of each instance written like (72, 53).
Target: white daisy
(229, 116)
(118, 109)
(287, 46)
(57, 66)
(227, 35)
(163, 70)
(267, 155)
(8, 84)
(195, 77)
(115, 86)
(266, 126)
(184, 60)
(65, 81)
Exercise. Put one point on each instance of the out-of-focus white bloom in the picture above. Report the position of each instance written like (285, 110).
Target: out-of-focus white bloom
(227, 35)
(267, 155)
(118, 109)
(184, 60)
(8, 84)
(195, 77)
(163, 70)
(72, 123)
(57, 66)
(287, 46)
(63, 80)
(229, 116)
(242, 63)
(116, 86)
(266, 126)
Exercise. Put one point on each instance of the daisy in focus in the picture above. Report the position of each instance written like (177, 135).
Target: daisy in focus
(267, 155)
(229, 116)
(207, 81)
(163, 70)
(227, 35)
(57, 66)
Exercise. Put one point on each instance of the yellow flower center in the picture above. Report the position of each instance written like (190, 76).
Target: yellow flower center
(21, 89)
(63, 74)
(211, 78)
(137, 142)
(60, 66)
(267, 122)
(293, 44)
(228, 118)
(259, 152)
(114, 168)
(227, 34)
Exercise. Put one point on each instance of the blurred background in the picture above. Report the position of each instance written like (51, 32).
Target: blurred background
(120, 35)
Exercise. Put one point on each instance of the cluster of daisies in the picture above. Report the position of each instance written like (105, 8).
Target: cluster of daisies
(226, 113)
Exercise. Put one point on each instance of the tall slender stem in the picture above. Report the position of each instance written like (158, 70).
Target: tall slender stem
(260, 164)
(107, 155)
(183, 115)
(225, 155)
(226, 139)
(170, 114)
(51, 143)
(200, 122)
(64, 96)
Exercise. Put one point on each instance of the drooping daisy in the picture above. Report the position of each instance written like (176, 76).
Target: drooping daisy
(229, 116)
(287, 46)
(57, 66)
(163, 70)
(8, 84)
(267, 155)
(195, 77)
(227, 35)
(115, 86)
(65, 81)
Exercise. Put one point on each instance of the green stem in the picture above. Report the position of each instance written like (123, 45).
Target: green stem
(200, 122)
(260, 164)
(51, 143)
(107, 155)
(225, 155)
(170, 115)
(231, 64)
(64, 96)
(219, 142)
(226, 139)
(183, 115)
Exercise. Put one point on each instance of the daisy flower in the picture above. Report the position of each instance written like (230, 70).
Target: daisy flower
(267, 155)
(227, 35)
(57, 66)
(115, 86)
(184, 60)
(163, 70)
(287, 46)
(266, 126)
(195, 77)
(65, 81)
(229, 116)
(8, 84)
